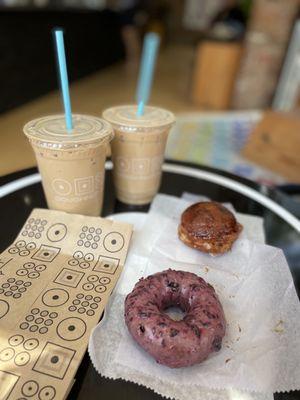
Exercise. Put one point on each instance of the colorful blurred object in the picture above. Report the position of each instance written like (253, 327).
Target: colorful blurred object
(275, 143)
(214, 74)
(216, 140)
(288, 88)
(264, 49)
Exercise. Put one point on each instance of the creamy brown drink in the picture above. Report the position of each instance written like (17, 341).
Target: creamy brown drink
(71, 163)
(138, 150)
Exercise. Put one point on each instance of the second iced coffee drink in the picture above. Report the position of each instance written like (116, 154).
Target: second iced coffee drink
(138, 151)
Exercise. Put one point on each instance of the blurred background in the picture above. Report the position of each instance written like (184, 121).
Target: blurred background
(229, 69)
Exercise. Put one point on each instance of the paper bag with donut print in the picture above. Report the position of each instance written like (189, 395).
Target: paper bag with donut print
(55, 280)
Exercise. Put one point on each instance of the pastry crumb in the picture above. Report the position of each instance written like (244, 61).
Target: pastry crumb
(279, 327)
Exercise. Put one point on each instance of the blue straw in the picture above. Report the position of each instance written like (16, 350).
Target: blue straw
(150, 47)
(60, 48)
(140, 110)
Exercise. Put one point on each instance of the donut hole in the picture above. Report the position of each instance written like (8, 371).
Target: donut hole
(175, 313)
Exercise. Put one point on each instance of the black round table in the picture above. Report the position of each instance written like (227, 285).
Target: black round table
(21, 192)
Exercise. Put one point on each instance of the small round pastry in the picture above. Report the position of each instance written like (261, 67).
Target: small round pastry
(175, 343)
(210, 227)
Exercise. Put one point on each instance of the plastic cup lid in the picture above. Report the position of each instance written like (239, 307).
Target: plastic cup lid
(125, 117)
(52, 129)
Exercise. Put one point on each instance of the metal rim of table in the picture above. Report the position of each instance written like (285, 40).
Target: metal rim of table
(213, 177)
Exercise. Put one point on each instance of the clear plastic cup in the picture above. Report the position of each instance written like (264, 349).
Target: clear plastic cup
(138, 150)
(72, 165)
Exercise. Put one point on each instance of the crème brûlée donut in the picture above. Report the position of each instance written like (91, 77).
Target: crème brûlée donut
(175, 343)
(209, 227)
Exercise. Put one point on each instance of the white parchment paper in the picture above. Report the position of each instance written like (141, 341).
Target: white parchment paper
(102, 350)
(261, 349)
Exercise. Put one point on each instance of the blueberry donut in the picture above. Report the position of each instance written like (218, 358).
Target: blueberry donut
(175, 343)
(209, 226)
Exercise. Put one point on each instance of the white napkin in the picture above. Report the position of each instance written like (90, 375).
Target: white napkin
(261, 349)
(102, 350)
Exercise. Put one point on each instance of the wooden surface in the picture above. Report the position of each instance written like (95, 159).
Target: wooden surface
(91, 95)
(214, 74)
(275, 144)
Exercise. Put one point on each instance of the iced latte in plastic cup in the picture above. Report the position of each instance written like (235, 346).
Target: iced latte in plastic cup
(138, 150)
(72, 164)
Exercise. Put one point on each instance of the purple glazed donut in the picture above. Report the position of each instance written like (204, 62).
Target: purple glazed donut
(175, 343)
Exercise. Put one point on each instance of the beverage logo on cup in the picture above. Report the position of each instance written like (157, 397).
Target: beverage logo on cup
(61, 186)
(84, 185)
(77, 189)
(138, 168)
(141, 166)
